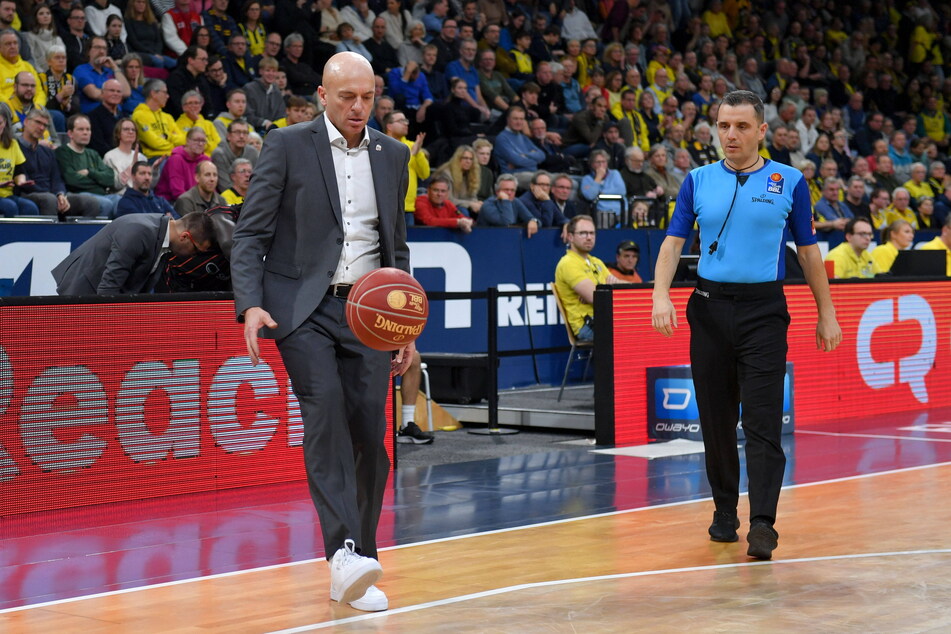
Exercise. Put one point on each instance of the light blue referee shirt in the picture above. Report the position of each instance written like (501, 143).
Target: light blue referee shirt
(752, 247)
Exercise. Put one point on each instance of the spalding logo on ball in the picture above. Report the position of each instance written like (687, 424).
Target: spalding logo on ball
(387, 309)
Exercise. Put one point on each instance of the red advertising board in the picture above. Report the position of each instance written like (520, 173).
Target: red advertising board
(895, 354)
(123, 401)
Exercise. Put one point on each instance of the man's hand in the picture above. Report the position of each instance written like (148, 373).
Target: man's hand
(600, 173)
(539, 192)
(404, 357)
(664, 316)
(531, 227)
(828, 334)
(464, 225)
(418, 144)
(839, 223)
(62, 203)
(255, 318)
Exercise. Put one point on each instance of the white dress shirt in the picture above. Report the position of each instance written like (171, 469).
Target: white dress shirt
(361, 220)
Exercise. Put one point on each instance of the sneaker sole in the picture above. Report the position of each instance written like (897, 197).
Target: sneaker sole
(357, 587)
(370, 606)
(725, 540)
(409, 440)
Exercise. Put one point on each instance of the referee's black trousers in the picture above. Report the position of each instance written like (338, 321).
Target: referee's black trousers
(738, 355)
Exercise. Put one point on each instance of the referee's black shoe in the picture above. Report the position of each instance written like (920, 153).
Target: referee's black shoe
(723, 528)
(412, 434)
(762, 539)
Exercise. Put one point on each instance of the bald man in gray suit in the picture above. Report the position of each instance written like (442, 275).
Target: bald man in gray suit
(325, 206)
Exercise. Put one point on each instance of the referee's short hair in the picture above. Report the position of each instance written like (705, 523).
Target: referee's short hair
(745, 98)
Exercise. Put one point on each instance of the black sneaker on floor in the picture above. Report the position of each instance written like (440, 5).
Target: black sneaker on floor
(723, 528)
(413, 435)
(763, 539)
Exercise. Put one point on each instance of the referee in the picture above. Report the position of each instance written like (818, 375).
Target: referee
(737, 314)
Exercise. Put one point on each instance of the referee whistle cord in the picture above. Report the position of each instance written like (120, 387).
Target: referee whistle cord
(736, 189)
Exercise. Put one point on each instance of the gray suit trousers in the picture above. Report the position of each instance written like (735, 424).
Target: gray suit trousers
(341, 386)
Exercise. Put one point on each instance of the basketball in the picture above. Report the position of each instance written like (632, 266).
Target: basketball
(387, 309)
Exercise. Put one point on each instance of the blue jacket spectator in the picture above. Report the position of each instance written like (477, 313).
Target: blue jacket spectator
(135, 202)
(514, 151)
(410, 94)
(503, 209)
(458, 68)
(221, 24)
(546, 211)
(138, 198)
(602, 180)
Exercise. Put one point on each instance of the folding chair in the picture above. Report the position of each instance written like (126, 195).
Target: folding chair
(575, 344)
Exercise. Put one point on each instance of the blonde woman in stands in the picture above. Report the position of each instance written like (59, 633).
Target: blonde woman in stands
(465, 178)
(897, 236)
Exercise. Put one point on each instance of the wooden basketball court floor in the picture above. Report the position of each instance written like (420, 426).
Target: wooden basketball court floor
(559, 542)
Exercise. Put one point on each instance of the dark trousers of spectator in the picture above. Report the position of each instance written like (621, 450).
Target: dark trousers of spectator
(79, 205)
(738, 355)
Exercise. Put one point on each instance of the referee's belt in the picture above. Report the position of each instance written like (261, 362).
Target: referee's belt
(339, 290)
(732, 290)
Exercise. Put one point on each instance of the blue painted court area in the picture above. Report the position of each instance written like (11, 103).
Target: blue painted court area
(98, 549)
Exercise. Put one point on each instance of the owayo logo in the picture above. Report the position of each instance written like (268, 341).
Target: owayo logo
(912, 369)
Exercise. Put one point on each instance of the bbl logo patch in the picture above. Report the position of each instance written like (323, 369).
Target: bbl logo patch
(775, 184)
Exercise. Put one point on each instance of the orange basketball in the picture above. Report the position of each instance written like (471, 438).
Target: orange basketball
(387, 309)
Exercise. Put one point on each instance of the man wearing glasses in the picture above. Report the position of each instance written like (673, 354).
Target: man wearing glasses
(577, 275)
(851, 258)
(91, 77)
(128, 255)
(240, 180)
(190, 75)
(75, 37)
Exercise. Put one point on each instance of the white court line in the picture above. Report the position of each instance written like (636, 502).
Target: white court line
(881, 436)
(623, 575)
(223, 575)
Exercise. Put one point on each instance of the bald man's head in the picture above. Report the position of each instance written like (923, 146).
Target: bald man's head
(347, 94)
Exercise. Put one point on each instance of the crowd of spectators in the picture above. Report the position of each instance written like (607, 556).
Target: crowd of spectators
(583, 106)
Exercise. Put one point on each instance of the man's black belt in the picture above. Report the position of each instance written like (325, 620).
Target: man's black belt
(732, 290)
(339, 290)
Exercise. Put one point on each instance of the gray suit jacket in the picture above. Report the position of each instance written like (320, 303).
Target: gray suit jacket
(290, 233)
(117, 260)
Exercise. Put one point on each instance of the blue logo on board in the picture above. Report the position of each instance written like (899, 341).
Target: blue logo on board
(675, 399)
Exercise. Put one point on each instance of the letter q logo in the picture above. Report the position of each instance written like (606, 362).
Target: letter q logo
(911, 370)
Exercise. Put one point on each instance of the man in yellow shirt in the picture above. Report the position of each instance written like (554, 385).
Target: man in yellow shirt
(11, 64)
(577, 274)
(631, 124)
(918, 185)
(240, 180)
(396, 125)
(942, 241)
(900, 208)
(851, 258)
(158, 132)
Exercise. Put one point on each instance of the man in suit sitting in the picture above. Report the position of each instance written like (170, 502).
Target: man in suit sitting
(312, 213)
(127, 255)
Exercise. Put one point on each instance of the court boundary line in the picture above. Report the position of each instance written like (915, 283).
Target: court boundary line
(622, 575)
(439, 540)
(878, 436)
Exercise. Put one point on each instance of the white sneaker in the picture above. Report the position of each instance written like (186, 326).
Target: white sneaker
(373, 601)
(351, 575)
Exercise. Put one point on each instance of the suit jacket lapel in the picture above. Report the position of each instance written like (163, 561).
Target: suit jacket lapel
(380, 181)
(383, 187)
(325, 165)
